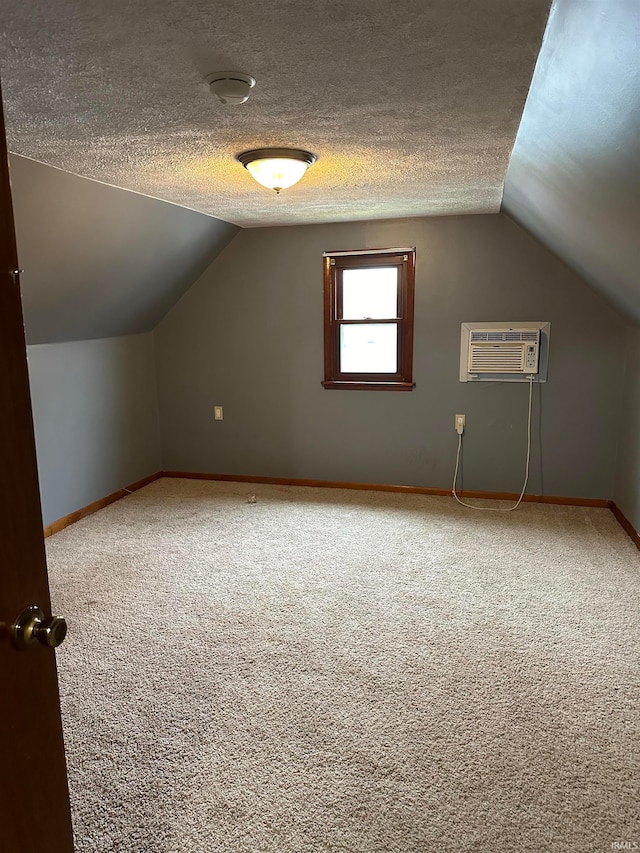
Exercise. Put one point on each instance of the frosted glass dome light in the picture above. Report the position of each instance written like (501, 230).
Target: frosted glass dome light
(277, 168)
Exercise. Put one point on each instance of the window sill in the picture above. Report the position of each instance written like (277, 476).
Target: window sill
(367, 386)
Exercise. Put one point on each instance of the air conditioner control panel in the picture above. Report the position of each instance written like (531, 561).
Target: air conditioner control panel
(531, 359)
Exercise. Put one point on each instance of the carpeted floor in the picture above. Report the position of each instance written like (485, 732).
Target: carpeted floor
(347, 671)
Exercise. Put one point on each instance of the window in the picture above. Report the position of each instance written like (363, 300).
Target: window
(368, 319)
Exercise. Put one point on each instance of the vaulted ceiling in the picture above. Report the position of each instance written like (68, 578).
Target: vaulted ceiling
(411, 106)
(101, 262)
(574, 176)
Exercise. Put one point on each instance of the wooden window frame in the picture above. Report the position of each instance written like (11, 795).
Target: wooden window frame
(334, 266)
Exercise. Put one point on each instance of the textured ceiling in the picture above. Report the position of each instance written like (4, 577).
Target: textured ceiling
(411, 105)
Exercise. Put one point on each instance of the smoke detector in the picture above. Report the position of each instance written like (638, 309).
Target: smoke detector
(231, 87)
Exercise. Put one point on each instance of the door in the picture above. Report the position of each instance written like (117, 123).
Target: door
(34, 800)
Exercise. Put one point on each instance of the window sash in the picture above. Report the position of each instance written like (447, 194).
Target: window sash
(350, 373)
(340, 287)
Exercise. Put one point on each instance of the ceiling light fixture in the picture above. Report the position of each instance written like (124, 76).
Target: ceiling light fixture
(277, 168)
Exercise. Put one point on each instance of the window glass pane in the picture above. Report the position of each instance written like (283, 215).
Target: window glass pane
(370, 348)
(370, 293)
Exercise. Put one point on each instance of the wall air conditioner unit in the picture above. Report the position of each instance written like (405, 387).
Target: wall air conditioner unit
(503, 352)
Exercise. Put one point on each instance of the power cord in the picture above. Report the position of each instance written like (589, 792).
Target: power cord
(526, 478)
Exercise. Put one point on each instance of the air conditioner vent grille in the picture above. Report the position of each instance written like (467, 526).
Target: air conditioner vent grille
(503, 358)
(510, 335)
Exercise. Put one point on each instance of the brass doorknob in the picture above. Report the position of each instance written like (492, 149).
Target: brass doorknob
(32, 626)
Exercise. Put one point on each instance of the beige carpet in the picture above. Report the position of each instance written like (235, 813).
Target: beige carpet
(347, 671)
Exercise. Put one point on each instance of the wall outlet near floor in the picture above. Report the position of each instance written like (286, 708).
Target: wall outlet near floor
(218, 414)
(460, 422)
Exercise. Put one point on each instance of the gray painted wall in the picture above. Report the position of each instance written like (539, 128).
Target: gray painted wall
(100, 261)
(96, 419)
(627, 486)
(248, 335)
(574, 175)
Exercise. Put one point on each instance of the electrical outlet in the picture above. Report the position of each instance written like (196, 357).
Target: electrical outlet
(218, 414)
(460, 423)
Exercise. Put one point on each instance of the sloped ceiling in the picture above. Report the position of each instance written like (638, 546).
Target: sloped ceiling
(411, 106)
(101, 262)
(574, 175)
